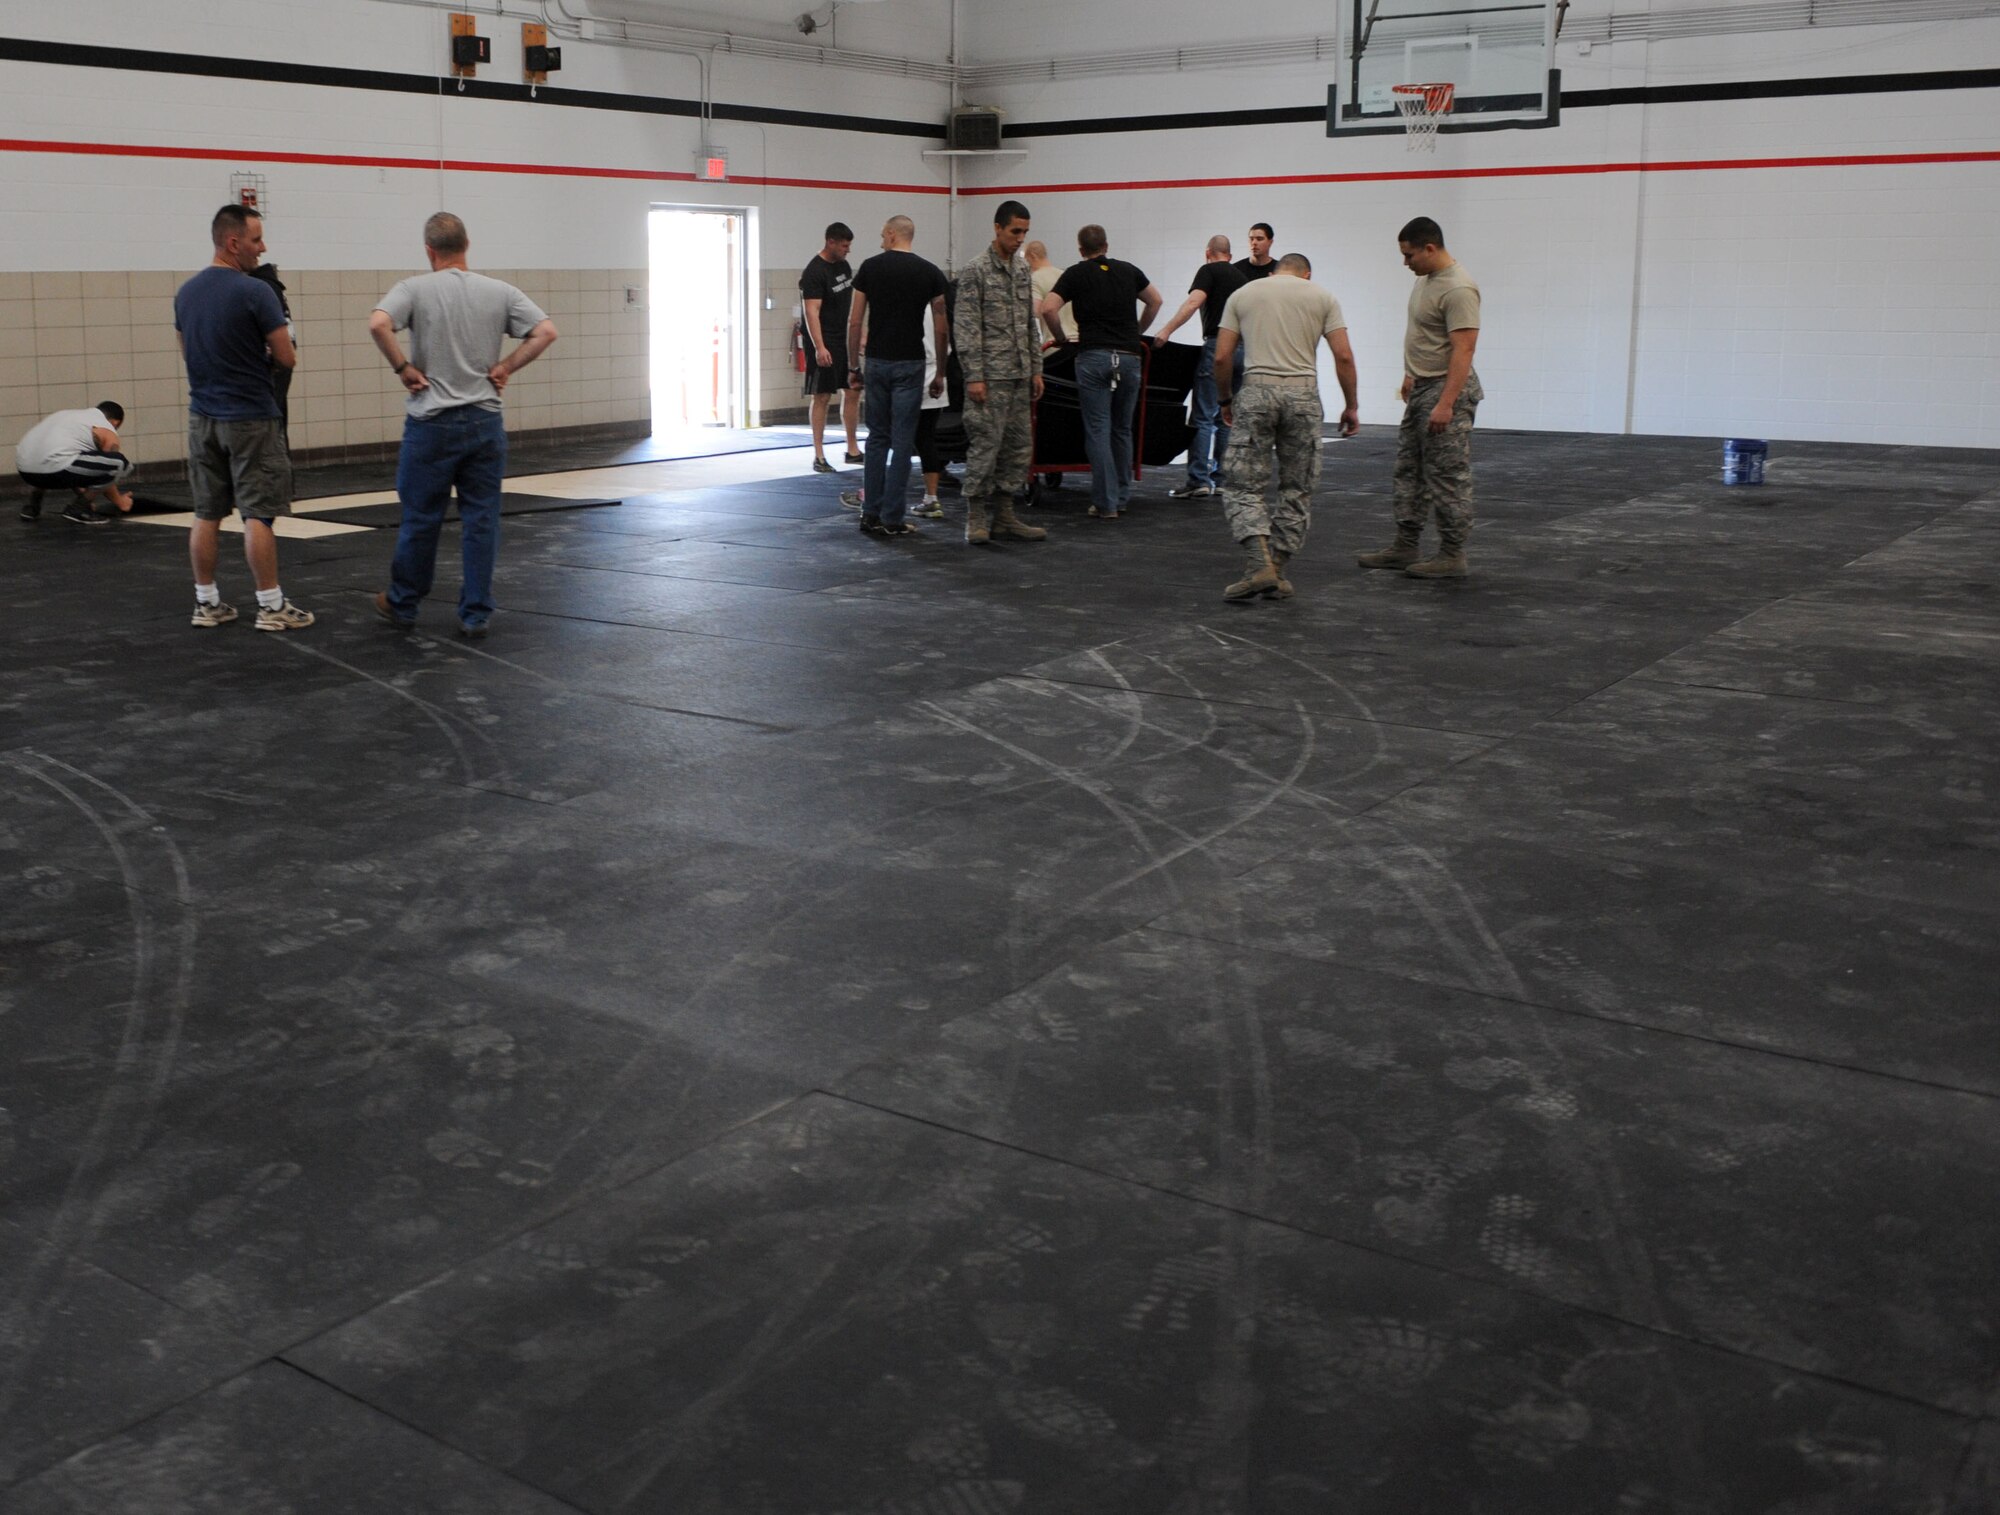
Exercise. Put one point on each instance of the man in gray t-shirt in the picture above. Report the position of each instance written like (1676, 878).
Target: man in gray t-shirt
(452, 434)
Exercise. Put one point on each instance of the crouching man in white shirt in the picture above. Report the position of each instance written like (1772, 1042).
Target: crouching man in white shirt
(75, 449)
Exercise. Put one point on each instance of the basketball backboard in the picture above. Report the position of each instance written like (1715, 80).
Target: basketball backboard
(1499, 54)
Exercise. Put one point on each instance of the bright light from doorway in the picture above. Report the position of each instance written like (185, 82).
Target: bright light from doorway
(697, 299)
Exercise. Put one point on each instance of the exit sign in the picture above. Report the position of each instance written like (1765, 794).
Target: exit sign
(711, 163)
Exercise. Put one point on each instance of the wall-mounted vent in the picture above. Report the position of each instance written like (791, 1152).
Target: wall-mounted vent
(974, 130)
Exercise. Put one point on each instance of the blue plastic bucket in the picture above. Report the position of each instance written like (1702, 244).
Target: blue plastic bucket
(1743, 461)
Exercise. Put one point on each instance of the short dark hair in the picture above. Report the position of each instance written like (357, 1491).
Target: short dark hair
(1265, 228)
(1422, 232)
(230, 221)
(445, 233)
(1090, 240)
(113, 411)
(840, 231)
(1297, 262)
(1009, 212)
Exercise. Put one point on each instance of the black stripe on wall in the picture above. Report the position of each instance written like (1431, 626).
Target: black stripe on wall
(1582, 99)
(75, 55)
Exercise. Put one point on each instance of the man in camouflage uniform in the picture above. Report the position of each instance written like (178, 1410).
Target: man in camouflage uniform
(1281, 319)
(1440, 395)
(1000, 355)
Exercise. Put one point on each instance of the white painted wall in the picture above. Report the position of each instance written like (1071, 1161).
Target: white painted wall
(127, 212)
(1793, 302)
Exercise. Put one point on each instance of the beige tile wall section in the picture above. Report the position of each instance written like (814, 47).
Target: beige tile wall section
(781, 382)
(68, 340)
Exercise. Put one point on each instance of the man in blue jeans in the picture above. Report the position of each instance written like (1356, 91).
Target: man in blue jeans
(1110, 367)
(453, 433)
(893, 292)
(1214, 282)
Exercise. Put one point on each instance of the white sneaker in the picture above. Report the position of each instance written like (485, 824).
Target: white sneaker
(287, 617)
(217, 614)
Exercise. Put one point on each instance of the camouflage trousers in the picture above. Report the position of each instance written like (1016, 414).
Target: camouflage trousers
(1280, 419)
(1434, 473)
(999, 439)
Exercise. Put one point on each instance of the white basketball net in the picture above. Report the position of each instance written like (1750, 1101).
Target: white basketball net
(1423, 107)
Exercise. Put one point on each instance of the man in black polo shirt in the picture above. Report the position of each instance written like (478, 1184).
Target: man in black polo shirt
(824, 295)
(1260, 264)
(1214, 282)
(1109, 368)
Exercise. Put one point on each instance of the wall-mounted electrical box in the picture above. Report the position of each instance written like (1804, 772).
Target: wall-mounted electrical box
(468, 48)
(538, 59)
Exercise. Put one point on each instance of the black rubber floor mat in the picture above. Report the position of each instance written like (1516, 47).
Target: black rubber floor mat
(392, 514)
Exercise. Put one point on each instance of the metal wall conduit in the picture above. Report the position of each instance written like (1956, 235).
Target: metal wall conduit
(1657, 25)
(688, 42)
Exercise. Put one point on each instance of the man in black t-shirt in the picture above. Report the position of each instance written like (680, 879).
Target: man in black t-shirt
(895, 292)
(1260, 264)
(824, 296)
(1110, 369)
(1214, 282)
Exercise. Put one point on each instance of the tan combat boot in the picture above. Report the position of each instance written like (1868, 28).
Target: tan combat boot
(1282, 590)
(1258, 574)
(1448, 564)
(1007, 524)
(977, 532)
(1399, 554)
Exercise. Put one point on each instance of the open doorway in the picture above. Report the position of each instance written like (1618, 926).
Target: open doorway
(700, 298)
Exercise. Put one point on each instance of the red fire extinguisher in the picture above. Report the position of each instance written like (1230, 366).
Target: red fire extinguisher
(799, 343)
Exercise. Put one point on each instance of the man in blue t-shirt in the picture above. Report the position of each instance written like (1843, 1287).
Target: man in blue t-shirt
(232, 332)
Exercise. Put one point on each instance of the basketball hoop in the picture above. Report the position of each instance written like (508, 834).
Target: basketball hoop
(1423, 107)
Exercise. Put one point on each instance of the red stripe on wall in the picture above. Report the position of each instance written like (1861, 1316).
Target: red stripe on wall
(432, 165)
(471, 166)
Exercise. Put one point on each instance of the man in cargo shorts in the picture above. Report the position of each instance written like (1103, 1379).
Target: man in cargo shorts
(232, 331)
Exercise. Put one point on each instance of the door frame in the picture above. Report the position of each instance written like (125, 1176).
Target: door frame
(749, 399)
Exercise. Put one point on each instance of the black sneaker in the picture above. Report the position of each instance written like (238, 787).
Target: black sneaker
(83, 515)
(820, 465)
(32, 511)
(872, 528)
(900, 529)
(854, 457)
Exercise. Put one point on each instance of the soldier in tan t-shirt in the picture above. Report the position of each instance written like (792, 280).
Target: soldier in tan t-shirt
(1440, 395)
(1282, 320)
